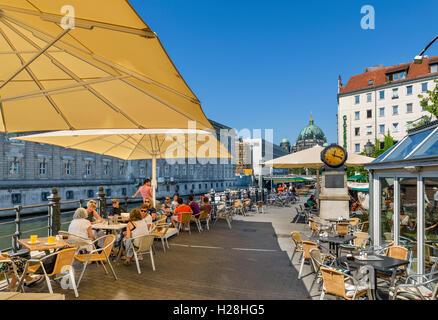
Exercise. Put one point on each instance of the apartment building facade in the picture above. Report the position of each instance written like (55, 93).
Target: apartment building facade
(382, 99)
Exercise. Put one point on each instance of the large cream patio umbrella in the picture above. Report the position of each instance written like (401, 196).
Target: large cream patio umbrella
(136, 144)
(105, 70)
(311, 158)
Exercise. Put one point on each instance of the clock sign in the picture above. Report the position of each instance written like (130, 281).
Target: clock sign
(334, 156)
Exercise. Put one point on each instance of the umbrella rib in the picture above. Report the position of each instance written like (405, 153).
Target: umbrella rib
(138, 145)
(208, 125)
(48, 46)
(70, 73)
(37, 82)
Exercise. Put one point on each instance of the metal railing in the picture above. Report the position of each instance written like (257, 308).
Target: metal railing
(56, 211)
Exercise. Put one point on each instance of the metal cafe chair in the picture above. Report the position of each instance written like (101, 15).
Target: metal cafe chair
(298, 243)
(319, 260)
(223, 215)
(63, 265)
(14, 270)
(339, 284)
(160, 233)
(141, 244)
(186, 218)
(417, 287)
(98, 255)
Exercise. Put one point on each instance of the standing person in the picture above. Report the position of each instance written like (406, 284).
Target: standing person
(145, 190)
(194, 206)
(435, 199)
(181, 208)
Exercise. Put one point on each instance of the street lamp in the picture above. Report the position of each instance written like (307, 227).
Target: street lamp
(419, 59)
(369, 148)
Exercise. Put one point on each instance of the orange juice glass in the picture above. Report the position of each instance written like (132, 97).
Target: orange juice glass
(51, 240)
(33, 238)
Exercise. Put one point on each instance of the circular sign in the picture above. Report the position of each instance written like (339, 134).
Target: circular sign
(334, 156)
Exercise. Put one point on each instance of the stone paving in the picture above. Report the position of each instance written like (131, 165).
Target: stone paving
(251, 261)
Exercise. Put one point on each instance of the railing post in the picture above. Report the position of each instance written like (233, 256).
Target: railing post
(126, 204)
(54, 225)
(102, 202)
(17, 233)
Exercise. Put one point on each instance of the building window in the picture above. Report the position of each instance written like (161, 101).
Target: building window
(433, 68)
(382, 94)
(369, 114)
(382, 128)
(357, 115)
(357, 147)
(369, 130)
(67, 168)
(381, 112)
(368, 97)
(409, 108)
(14, 167)
(88, 168)
(124, 191)
(184, 170)
(356, 99)
(424, 87)
(395, 93)
(191, 170)
(142, 171)
(69, 195)
(185, 187)
(106, 168)
(370, 82)
(394, 110)
(16, 198)
(108, 192)
(122, 169)
(176, 170)
(200, 186)
(395, 127)
(357, 132)
(43, 168)
(408, 90)
(44, 196)
(166, 171)
(396, 76)
(90, 193)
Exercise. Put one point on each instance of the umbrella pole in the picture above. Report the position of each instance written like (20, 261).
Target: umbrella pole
(154, 177)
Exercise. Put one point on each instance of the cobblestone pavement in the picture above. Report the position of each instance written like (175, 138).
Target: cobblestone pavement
(251, 261)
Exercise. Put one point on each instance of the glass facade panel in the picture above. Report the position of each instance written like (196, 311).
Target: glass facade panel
(386, 209)
(408, 218)
(408, 145)
(431, 222)
(428, 149)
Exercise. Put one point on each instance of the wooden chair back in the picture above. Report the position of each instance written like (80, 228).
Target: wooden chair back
(354, 221)
(108, 245)
(185, 217)
(312, 224)
(334, 282)
(63, 258)
(296, 238)
(365, 226)
(398, 252)
(316, 258)
(307, 246)
(342, 228)
(361, 238)
(203, 215)
(144, 243)
(260, 204)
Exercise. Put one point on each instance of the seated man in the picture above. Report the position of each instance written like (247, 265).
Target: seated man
(179, 209)
(194, 206)
(116, 210)
(205, 205)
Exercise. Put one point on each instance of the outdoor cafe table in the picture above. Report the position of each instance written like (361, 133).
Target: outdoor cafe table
(335, 241)
(333, 220)
(112, 227)
(42, 244)
(385, 263)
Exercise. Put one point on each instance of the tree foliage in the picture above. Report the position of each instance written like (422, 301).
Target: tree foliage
(429, 103)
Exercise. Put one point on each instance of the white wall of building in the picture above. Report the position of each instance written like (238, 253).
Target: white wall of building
(347, 106)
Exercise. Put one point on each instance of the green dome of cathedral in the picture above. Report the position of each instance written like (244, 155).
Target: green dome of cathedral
(312, 132)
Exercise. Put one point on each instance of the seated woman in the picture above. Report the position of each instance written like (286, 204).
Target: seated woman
(95, 218)
(150, 208)
(20, 263)
(136, 227)
(81, 227)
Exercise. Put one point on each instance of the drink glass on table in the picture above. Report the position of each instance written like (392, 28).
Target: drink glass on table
(51, 240)
(33, 238)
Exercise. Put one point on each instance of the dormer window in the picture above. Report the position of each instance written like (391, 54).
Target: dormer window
(399, 75)
(434, 68)
(370, 82)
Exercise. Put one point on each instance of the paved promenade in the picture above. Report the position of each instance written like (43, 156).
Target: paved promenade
(251, 261)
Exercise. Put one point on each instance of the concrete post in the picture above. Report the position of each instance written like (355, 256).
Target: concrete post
(17, 233)
(54, 225)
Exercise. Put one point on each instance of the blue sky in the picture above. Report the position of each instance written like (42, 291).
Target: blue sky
(268, 64)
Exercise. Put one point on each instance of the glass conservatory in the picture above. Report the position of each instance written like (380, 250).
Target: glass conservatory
(404, 196)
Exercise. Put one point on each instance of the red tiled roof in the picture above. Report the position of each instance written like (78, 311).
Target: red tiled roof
(360, 81)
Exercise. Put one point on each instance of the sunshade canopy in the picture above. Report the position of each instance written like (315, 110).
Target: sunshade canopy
(109, 71)
(311, 158)
(134, 144)
(357, 177)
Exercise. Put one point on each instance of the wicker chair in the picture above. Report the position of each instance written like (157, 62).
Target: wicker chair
(342, 228)
(63, 265)
(319, 260)
(144, 245)
(298, 244)
(337, 283)
(317, 227)
(358, 244)
(99, 255)
(160, 233)
(186, 218)
(396, 252)
(224, 215)
(354, 224)
(307, 246)
(204, 216)
(260, 207)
